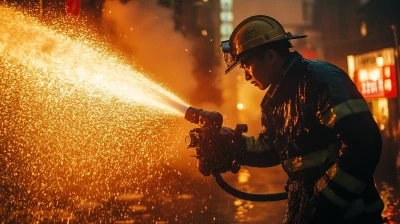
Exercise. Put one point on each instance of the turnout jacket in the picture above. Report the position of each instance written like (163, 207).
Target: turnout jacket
(317, 125)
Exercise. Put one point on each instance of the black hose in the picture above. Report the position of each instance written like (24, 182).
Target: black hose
(248, 196)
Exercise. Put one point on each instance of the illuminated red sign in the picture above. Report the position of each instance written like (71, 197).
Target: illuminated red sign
(376, 82)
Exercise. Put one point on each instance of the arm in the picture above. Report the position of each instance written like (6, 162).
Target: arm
(361, 138)
(341, 107)
(258, 153)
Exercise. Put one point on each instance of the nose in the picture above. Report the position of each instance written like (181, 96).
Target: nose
(247, 76)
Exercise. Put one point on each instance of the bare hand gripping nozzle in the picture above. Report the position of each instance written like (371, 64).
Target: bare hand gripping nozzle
(211, 141)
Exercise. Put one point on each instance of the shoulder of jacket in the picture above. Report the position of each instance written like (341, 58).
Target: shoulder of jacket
(324, 72)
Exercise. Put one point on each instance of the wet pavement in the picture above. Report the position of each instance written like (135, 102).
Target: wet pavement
(173, 197)
(261, 181)
(179, 198)
(256, 180)
(272, 180)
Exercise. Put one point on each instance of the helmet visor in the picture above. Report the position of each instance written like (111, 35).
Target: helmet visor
(230, 59)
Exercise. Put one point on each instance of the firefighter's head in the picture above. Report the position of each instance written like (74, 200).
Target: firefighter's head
(259, 44)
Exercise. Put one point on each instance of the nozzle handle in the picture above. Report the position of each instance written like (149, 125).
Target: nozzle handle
(242, 128)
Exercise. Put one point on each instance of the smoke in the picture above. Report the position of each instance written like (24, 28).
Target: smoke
(145, 30)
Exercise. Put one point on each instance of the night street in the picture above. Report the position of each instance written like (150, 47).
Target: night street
(122, 111)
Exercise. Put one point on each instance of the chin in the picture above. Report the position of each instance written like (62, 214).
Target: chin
(261, 87)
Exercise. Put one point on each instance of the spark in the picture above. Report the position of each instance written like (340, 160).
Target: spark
(78, 125)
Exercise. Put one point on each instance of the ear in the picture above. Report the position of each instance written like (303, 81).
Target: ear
(271, 55)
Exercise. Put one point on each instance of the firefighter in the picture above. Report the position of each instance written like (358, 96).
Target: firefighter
(315, 123)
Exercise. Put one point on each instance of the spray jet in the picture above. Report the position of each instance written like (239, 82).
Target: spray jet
(211, 141)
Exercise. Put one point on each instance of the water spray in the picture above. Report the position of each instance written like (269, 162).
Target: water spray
(204, 139)
(80, 128)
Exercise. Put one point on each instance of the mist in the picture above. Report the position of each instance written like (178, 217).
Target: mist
(145, 31)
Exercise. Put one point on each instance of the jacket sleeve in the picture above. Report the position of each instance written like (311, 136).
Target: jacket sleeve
(258, 153)
(341, 107)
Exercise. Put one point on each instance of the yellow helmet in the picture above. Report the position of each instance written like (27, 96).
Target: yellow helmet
(250, 33)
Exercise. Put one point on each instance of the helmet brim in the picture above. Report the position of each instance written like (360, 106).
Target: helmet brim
(269, 42)
(231, 67)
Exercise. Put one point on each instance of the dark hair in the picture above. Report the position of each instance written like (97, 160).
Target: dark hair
(280, 47)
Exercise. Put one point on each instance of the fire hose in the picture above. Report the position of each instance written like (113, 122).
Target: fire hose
(210, 123)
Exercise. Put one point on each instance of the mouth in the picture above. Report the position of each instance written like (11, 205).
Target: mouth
(254, 83)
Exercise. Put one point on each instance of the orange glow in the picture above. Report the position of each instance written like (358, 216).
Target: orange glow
(379, 61)
(78, 122)
(243, 176)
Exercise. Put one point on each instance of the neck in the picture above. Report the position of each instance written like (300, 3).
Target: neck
(281, 64)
